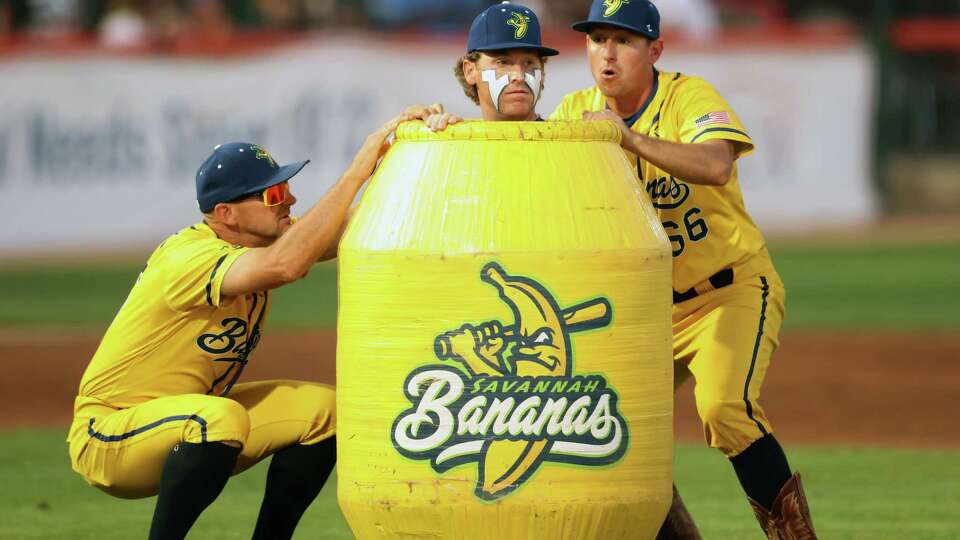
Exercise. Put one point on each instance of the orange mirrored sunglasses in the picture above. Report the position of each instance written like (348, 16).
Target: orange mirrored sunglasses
(273, 195)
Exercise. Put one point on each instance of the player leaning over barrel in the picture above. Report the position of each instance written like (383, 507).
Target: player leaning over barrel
(503, 68)
(728, 301)
(159, 410)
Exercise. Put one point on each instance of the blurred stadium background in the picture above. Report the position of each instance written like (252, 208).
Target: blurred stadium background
(108, 106)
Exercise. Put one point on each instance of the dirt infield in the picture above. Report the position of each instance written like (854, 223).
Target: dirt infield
(828, 388)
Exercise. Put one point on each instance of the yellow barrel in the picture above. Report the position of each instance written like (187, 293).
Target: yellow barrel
(504, 342)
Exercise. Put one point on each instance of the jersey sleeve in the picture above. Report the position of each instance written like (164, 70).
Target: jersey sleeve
(703, 115)
(194, 273)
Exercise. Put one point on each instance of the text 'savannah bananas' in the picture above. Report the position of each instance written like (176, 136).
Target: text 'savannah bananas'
(540, 347)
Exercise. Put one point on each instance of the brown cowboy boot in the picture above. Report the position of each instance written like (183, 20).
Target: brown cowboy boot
(678, 525)
(789, 519)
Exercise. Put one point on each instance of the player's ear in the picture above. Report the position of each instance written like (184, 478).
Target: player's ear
(656, 49)
(224, 213)
(470, 72)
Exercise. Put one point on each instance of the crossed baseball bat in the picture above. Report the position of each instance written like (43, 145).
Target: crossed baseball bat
(590, 314)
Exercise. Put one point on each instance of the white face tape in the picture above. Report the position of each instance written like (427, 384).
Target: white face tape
(533, 81)
(497, 85)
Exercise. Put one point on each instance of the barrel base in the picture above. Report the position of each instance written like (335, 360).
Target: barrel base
(635, 520)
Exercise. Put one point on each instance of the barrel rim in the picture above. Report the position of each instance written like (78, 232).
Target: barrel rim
(479, 130)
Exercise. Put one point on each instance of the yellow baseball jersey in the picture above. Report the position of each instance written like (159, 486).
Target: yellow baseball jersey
(708, 226)
(175, 334)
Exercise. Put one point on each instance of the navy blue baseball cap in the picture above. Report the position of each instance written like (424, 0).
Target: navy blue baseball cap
(638, 16)
(507, 26)
(237, 169)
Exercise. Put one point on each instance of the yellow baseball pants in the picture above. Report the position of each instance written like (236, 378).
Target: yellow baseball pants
(123, 451)
(725, 338)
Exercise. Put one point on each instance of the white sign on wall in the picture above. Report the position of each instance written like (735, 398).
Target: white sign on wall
(100, 153)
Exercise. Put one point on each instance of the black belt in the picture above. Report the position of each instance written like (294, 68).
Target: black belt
(718, 280)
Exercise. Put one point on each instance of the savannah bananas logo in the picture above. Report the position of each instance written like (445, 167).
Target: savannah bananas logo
(613, 6)
(263, 154)
(511, 400)
(519, 22)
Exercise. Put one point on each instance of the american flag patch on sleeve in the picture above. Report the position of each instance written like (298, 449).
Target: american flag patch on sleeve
(720, 117)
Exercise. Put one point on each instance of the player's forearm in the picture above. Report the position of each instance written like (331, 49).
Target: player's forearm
(331, 252)
(317, 232)
(706, 164)
(320, 228)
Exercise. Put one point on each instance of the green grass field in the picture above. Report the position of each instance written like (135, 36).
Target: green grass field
(872, 287)
(855, 493)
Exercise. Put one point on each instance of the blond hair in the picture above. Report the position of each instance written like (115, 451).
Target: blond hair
(469, 89)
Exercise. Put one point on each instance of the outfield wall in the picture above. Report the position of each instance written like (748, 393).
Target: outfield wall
(100, 152)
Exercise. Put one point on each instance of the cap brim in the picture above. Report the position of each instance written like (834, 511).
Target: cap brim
(282, 174)
(544, 51)
(587, 26)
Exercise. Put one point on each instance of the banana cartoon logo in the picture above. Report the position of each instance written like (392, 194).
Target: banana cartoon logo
(511, 400)
(519, 22)
(613, 6)
(263, 154)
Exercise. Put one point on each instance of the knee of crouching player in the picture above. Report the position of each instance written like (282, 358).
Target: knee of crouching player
(229, 423)
(730, 426)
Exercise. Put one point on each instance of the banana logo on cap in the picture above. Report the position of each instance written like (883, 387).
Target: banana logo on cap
(261, 153)
(519, 22)
(613, 6)
(515, 401)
